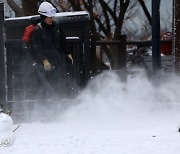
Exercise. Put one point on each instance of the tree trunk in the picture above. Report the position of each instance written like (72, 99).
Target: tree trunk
(17, 10)
(30, 7)
(123, 8)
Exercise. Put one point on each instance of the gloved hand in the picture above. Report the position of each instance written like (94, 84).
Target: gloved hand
(47, 65)
(70, 57)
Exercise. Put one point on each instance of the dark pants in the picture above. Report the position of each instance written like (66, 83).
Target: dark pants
(48, 83)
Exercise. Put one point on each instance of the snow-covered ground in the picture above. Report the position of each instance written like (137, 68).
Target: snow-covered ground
(110, 117)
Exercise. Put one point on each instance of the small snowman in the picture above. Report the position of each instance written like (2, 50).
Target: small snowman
(7, 137)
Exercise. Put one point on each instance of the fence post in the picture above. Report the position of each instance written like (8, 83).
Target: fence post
(93, 54)
(86, 53)
(2, 57)
(119, 54)
(122, 52)
(156, 55)
(176, 34)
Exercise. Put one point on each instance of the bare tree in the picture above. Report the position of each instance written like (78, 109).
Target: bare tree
(106, 19)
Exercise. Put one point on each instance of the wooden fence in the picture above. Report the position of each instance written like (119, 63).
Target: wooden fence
(119, 61)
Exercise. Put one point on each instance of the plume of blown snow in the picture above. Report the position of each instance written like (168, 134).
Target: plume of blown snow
(108, 99)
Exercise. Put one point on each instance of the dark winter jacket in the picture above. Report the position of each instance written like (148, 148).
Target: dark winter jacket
(49, 42)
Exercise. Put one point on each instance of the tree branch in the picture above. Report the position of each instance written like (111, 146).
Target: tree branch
(75, 4)
(30, 7)
(108, 28)
(123, 8)
(17, 10)
(113, 14)
(145, 11)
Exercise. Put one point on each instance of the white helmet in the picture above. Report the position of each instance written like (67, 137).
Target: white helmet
(47, 9)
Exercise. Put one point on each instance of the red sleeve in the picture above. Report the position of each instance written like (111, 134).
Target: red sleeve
(28, 33)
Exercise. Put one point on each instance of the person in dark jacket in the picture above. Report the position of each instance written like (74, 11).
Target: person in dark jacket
(48, 43)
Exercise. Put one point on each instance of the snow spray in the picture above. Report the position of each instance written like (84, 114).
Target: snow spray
(109, 100)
